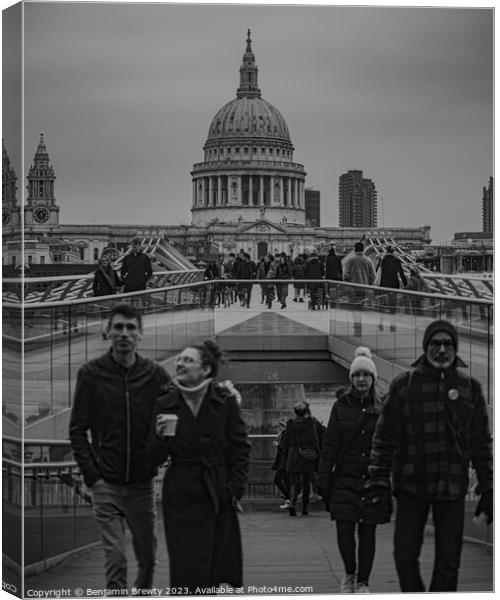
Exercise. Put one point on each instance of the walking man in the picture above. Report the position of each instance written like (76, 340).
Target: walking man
(358, 268)
(114, 399)
(136, 269)
(391, 273)
(433, 425)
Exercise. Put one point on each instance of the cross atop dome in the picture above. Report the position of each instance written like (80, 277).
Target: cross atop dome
(249, 87)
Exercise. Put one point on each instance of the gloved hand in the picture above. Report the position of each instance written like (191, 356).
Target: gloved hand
(379, 498)
(485, 505)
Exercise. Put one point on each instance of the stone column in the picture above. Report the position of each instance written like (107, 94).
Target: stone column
(250, 190)
(240, 202)
(219, 190)
(210, 191)
(203, 190)
(261, 191)
(194, 193)
(282, 198)
(271, 185)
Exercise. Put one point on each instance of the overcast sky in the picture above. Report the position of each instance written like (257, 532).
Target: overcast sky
(125, 94)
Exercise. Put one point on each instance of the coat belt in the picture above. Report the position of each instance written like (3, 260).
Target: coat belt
(207, 463)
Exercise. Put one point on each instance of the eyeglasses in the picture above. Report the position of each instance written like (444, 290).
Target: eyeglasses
(436, 344)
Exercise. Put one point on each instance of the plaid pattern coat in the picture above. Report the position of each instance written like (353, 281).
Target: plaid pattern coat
(433, 425)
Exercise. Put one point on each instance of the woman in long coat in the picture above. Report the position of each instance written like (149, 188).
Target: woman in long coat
(209, 457)
(106, 282)
(343, 472)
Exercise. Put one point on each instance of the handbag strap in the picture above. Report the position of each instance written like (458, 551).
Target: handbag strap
(340, 459)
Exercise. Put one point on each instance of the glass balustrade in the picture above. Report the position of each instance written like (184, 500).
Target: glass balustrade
(51, 340)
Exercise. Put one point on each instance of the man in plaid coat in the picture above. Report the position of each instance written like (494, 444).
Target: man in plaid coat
(434, 424)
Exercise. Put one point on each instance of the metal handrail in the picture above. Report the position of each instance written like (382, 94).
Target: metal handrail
(208, 282)
(84, 276)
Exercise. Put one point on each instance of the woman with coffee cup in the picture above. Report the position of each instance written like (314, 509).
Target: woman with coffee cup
(198, 426)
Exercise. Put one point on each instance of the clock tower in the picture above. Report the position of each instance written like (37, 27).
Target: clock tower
(41, 211)
(11, 213)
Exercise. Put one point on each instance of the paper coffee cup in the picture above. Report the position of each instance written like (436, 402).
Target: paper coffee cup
(166, 424)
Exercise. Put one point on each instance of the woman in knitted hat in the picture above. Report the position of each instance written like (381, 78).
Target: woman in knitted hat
(343, 472)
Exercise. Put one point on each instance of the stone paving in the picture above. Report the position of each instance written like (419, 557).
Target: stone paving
(298, 555)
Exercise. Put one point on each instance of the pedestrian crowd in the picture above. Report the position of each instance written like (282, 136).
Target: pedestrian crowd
(309, 274)
(414, 444)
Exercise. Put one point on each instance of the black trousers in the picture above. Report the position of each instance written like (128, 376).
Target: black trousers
(346, 543)
(411, 517)
(300, 481)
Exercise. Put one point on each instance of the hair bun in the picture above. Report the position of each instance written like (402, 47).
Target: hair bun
(363, 351)
(213, 348)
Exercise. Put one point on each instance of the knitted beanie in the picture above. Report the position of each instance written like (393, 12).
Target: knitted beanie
(440, 325)
(363, 362)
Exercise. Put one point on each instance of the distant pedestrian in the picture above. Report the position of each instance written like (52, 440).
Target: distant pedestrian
(262, 271)
(391, 275)
(283, 272)
(416, 283)
(333, 272)
(136, 268)
(281, 480)
(333, 266)
(212, 272)
(245, 271)
(343, 472)
(301, 446)
(106, 283)
(314, 270)
(298, 274)
(358, 268)
(433, 426)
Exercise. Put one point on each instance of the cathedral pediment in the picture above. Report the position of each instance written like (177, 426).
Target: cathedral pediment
(262, 226)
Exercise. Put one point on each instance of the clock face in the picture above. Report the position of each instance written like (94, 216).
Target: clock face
(41, 214)
(5, 216)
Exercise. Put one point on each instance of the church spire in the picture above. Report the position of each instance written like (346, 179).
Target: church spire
(9, 179)
(41, 176)
(248, 74)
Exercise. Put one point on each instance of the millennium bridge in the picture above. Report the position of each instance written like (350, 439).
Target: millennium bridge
(277, 356)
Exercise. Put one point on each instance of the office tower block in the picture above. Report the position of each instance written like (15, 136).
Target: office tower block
(488, 206)
(313, 209)
(357, 200)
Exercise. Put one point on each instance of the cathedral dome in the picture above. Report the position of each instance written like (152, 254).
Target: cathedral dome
(248, 117)
(248, 169)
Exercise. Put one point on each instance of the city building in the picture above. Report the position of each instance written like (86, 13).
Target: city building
(248, 193)
(357, 200)
(313, 207)
(488, 223)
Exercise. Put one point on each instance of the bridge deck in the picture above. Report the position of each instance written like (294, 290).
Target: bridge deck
(283, 551)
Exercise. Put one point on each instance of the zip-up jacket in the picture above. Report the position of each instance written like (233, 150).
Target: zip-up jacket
(116, 404)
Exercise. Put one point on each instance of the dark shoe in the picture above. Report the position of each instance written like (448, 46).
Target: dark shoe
(301, 299)
(294, 299)
(305, 511)
(292, 512)
(283, 305)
